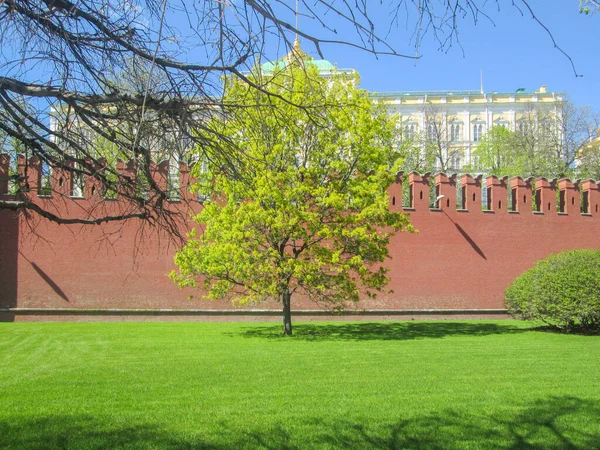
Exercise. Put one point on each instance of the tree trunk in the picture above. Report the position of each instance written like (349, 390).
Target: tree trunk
(287, 313)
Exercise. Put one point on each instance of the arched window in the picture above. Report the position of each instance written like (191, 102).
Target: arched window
(409, 131)
(456, 161)
(477, 131)
(455, 132)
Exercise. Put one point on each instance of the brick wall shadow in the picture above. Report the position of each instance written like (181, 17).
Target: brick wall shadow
(9, 246)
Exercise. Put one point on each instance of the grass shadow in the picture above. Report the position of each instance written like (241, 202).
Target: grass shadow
(552, 423)
(556, 330)
(382, 331)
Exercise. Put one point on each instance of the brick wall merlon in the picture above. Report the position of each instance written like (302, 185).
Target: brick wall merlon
(395, 193)
(522, 194)
(591, 197)
(62, 178)
(497, 194)
(419, 189)
(569, 196)
(445, 186)
(471, 193)
(545, 195)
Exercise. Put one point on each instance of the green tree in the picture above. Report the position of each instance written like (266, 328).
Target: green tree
(589, 161)
(305, 212)
(500, 154)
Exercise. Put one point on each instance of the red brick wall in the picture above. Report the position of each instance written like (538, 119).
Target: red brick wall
(458, 259)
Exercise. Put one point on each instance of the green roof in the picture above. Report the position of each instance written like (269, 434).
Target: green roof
(321, 64)
(422, 93)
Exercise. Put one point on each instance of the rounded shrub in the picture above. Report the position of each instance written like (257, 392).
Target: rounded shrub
(562, 290)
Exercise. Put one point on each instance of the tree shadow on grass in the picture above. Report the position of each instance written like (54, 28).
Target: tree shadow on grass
(382, 331)
(556, 330)
(553, 423)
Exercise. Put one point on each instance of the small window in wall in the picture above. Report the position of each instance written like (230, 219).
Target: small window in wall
(463, 198)
(411, 196)
(436, 204)
(489, 199)
(538, 200)
(561, 201)
(394, 200)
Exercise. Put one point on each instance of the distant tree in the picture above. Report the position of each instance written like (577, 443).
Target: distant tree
(589, 161)
(307, 212)
(549, 139)
(498, 153)
(414, 154)
(436, 145)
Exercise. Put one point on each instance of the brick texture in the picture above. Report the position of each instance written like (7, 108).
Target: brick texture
(460, 258)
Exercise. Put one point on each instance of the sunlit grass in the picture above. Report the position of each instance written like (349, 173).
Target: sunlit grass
(363, 385)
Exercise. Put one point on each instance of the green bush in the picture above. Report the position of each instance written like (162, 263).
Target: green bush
(562, 290)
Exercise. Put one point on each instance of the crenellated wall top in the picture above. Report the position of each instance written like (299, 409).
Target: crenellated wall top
(495, 195)
(413, 192)
(64, 181)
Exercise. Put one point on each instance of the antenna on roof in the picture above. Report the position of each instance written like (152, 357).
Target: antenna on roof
(296, 20)
(481, 80)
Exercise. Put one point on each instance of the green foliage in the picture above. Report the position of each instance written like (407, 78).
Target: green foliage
(589, 161)
(498, 153)
(416, 155)
(305, 211)
(502, 152)
(562, 290)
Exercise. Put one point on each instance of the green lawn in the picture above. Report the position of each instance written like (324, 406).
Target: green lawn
(363, 385)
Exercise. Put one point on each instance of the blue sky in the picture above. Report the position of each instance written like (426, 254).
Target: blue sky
(513, 52)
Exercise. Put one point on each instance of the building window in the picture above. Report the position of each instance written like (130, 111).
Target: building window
(455, 134)
(523, 127)
(546, 128)
(456, 160)
(477, 132)
(409, 131)
(431, 131)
